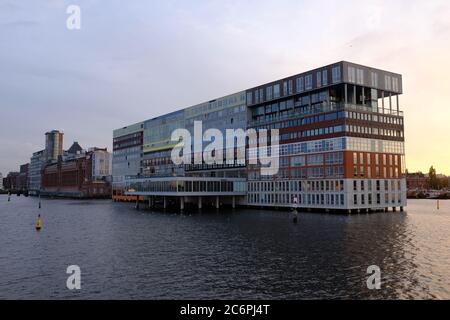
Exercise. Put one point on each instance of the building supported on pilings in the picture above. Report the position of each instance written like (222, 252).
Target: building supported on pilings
(190, 190)
(341, 145)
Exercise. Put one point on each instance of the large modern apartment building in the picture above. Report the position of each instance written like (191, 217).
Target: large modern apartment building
(340, 134)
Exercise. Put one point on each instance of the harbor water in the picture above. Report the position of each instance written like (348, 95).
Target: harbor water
(220, 254)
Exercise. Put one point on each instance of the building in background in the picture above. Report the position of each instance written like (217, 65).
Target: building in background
(127, 158)
(72, 175)
(74, 149)
(101, 163)
(11, 181)
(37, 163)
(22, 179)
(54, 142)
(416, 181)
(1, 181)
(341, 137)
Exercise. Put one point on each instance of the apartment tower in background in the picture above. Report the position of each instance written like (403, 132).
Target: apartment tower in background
(54, 141)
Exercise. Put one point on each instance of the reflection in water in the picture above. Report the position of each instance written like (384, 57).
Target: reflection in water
(385, 242)
(247, 254)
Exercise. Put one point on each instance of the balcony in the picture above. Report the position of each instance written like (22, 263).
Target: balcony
(323, 108)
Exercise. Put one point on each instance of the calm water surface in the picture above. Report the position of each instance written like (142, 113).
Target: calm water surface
(246, 254)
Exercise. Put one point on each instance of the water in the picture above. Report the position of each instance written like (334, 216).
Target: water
(248, 254)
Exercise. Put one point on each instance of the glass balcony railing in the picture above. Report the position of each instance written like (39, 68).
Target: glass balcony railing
(323, 108)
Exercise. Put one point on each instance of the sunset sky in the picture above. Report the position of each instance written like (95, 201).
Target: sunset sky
(134, 60)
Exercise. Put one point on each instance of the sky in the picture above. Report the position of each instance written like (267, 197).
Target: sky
(134, 60)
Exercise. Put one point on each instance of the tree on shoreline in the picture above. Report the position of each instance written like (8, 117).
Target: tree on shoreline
(435, 182)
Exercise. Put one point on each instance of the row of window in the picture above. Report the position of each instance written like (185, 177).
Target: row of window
(390, 159)
(374, 145)
(316, 159)
(389, 198)
(337, 144)
(271, 118)
(302, 186)
(210, 116)
(126, 151)
(312, 132)
(127, 137)
(300, 173)
(374, 131)
(373, 117)
(302, 84)
(334, 200)
(356, 75)
(215, 104)
(297, 122)
(305, 100)
(369, 185)
(393, 172)
(188, 186)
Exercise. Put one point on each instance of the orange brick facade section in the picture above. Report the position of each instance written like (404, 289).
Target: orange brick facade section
(370, 165)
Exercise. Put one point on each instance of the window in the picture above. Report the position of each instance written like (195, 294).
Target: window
(319, 79)
(300, 85)
(387, 83)
(269, 91)
(374, 79)
(351, 74)
(298, 161)
(308, 82)
(336, 74)
(276, 91)
(395, 84)
(290, 87)
(325, 77)
(256, 96)
(249, 97)
(360, 76)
